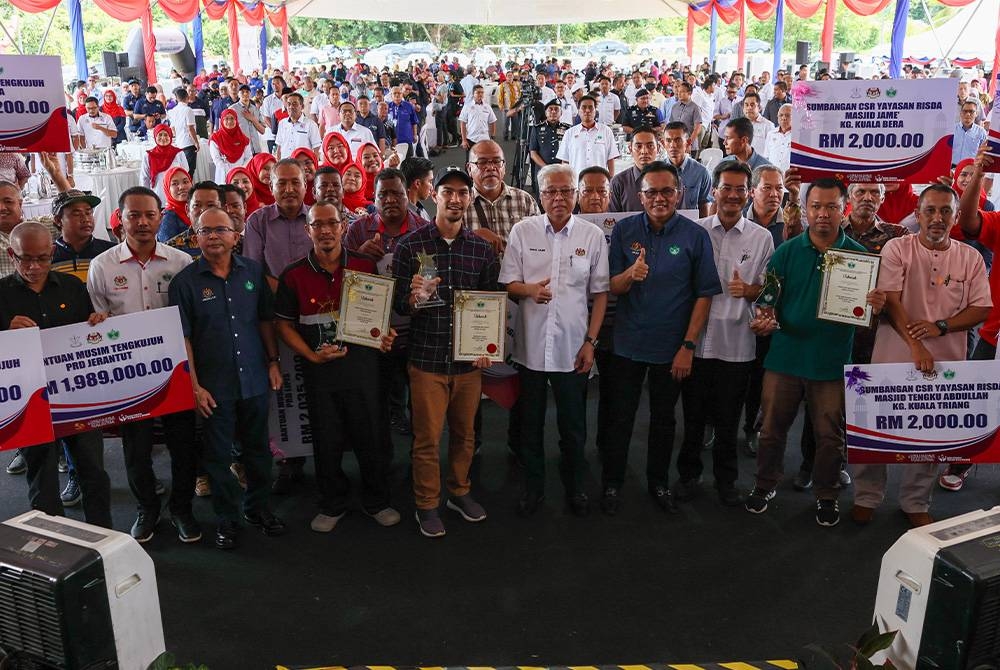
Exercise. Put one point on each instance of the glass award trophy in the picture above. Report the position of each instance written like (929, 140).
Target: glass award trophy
(767, 302)
(428, 270)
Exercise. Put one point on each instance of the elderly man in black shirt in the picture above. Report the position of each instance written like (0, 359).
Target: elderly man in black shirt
(35, 296)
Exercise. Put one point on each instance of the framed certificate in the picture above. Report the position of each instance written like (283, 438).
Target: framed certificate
(365, 307)
(848, 276)
(480, 325)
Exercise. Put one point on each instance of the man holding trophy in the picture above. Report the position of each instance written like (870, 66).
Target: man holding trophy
(434, 265)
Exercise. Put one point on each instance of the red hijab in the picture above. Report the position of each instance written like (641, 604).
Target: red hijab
(898, 204)
(111, 107)
(178, 207)
(81, 104)
(261, 191)
(298, 154)
(954, 182)
(358, 199)
(232, 142)
(160, 157)
(369, 177)
(336, 137)
(250, 202)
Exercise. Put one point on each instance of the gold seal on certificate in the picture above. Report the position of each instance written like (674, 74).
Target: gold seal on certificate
(480, 325)
(365, 307)
(848, 277)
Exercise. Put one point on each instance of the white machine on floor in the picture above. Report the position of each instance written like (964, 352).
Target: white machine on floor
(75, 596)
(940, 588)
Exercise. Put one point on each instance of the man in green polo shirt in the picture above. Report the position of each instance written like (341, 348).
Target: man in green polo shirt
(807, 356)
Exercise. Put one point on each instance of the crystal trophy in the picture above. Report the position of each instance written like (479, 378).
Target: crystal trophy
(767, 302)
(428, 270)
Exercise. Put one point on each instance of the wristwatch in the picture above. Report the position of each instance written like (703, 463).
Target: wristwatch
(688, 344)
(942, 326)
(591, 340)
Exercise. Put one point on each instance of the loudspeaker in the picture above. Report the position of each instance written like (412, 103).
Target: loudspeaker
(123, 59)
(847, 57)
(110, 62)
(802, 52)
(137, 73)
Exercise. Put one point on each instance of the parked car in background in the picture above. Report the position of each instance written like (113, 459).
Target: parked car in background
(754, 46)
(418, 50)
(607, 48)
(664, 45)
(305, 55)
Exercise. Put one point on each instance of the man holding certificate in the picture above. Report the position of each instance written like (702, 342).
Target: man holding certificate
(936, 290)
(342, 383)
(808, 353)
(430, 265)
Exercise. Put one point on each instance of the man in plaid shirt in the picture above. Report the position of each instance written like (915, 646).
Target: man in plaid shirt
(441, 387)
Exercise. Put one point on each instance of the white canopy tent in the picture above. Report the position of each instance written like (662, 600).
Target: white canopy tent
(490, 12)
(971, 33)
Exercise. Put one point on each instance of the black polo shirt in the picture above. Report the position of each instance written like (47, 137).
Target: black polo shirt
(68, 260)
(62, 301)
(220, 317)
(310, 296)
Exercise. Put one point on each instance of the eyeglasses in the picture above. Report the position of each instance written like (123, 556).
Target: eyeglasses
(488, 163)
(36, 260)
(217, 230)
(653, 193)
(559, 192)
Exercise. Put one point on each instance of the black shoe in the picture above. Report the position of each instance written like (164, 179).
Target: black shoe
(282, 484)
(687, 490)
(145, 524)
(753, 439)
(730, 496)
(269, 524)
(400, 424)
(529, 504)
(611, 501)
(664, 498)
(17, 465)
(225, 535)
(803, 481)
(188, 530)
(579, 504)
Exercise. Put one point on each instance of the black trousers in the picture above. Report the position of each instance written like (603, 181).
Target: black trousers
(627, 389)
(242, 421)
(192, 158)
(569, 390)
(341, 419)
(713, 395)
(606, 389)
(396, 382)
(137, 441)
(751, 410)
(87, 450)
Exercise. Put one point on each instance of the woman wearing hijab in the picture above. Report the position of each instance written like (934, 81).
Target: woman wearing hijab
(963, 175)
(240, 178)
(370, 161)
(175, 220)
(81, 104)
(260, 167)
(111, 107)
(307, 159)
(336, 151)
(229, 146)
(163, 156)
(354, 199)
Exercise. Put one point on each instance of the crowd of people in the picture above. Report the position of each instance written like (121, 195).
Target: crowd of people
(329, 170)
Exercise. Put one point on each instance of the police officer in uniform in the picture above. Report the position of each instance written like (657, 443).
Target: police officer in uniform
(545, 139)
(643, 114)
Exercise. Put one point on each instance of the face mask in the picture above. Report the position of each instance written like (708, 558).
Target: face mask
(650, 87)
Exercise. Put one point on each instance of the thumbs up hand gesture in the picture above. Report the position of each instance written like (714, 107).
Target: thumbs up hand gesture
(737, 287)
(639, 269)
(541, 292)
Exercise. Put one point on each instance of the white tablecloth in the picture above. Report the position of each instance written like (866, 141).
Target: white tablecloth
(204, 168)
(37, 208)
(107, 186)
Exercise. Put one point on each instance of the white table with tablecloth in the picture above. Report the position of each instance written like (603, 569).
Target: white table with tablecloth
(107, 186)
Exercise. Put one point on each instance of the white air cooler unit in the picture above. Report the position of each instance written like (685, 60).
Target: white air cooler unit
(940, 588)
(75, 596)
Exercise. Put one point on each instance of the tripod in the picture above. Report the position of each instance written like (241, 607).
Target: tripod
(520, 174)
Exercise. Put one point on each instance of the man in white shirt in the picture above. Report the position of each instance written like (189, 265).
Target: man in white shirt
(131, 277)
(250, 118)
(469, 82)
(762, 128)
(271, 104)
(778, 149)
(704, 96)
(477, 121)
(633, 86)
(356, 134)
(553, 262)
(589, 143)
(724, 358)
(320, 100)
(766, 90)
(567, 104)
(296, 131)
(544, 92)
(181, 119)
(97, 127)
(609, 105)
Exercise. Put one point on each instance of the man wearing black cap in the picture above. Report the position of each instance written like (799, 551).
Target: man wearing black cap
(642, 114)
(73, 217)
(128, 103)
(443, 389)
(546, 137)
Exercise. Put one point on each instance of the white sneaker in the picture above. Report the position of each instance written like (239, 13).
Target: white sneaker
(386, 517)
(324, 523)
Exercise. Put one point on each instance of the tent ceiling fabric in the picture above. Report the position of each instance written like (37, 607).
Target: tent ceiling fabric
(490, 12)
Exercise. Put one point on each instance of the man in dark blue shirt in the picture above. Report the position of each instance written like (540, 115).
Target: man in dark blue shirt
(371, 121)
(663, 271)
(148, 106)
(128, 104)
(223, 294)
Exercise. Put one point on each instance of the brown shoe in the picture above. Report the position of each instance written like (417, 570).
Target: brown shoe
(918, 519)
(862, 515)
